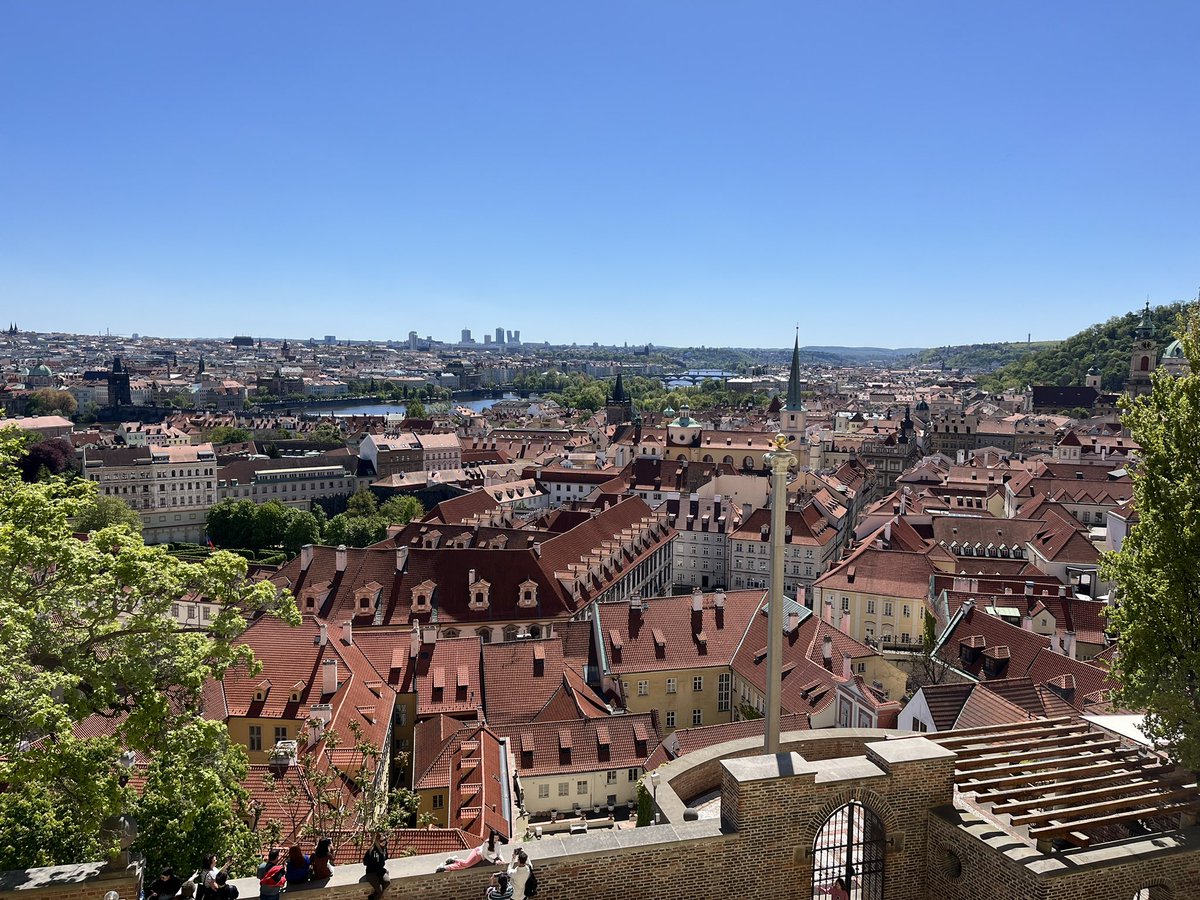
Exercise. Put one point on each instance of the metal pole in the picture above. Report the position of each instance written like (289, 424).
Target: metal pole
(779, 460)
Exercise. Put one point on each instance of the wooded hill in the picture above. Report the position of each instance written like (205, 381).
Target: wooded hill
(1107, 346)
(976, 358)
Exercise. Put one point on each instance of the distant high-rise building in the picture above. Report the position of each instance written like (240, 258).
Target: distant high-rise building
(466, 336)
(508, 336)
(330, 340)
(412, 340)
(499, 335)
(516, 338)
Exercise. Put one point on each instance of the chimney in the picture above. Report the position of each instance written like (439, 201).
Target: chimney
(341, 558)
(887, 532)
(429, 634)
(323, 637)
(320, 715)
(847, 666)
(792, 622)
(348, 633)
(1027, 623)
(827, 650)
(306, 555)
(697, 600)
(1069, 644)
(719, 599)
(537, 548)
(1062, 590)
(470, 577)
(1028, 588)
(828, 611)
(329, 676)
(414, 641)
(401, 558)
(844, 624)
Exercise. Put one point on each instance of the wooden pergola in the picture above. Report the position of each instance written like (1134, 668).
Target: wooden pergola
(1062, 781)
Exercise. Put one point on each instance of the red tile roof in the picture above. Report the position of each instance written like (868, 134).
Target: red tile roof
(666, 634)
(588, 745)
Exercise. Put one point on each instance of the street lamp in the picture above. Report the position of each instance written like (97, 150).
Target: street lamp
(654, 780)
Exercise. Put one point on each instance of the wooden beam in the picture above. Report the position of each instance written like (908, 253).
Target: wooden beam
(1062, 740)
(1114, 805)
(1046, 770)
(1050, 832)
(941, 736)
(1010, 801)
(1016, 757)
(951, 742)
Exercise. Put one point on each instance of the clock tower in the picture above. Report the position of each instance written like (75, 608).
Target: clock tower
(1145, 357)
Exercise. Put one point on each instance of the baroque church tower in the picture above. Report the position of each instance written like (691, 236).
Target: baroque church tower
(1144, 359)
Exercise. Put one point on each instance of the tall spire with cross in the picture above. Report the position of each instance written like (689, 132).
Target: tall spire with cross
(794, 403)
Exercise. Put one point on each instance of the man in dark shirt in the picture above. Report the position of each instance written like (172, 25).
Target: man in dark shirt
(165, 886)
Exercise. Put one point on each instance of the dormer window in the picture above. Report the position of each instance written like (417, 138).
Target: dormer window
(422, 596)
(314, 596)
(480, 591)
(297, 691)
(261, 690)
(367, 597)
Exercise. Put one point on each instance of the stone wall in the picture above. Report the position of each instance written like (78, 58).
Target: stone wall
(83, 881)
(970, 859)
(772, 808)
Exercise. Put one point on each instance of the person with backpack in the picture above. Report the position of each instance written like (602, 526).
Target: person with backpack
(272, 876)
(520, 875)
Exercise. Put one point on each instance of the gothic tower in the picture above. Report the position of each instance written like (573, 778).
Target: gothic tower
(794, 417)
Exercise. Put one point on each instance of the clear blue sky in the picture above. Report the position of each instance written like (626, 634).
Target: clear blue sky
(891, 173)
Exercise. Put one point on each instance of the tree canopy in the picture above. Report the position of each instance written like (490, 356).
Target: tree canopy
(102, 512)
(244, 524)
(50, 402)
(95, 667)
(227, 434)
(1157, 569)
(44, 457)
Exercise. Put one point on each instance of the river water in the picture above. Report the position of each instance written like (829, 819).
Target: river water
(383, 409)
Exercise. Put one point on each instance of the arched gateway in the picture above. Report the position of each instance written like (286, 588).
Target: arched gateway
(848, 855)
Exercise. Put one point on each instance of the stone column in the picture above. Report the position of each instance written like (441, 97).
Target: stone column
(780, 459)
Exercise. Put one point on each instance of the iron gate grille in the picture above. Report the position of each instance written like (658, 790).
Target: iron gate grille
(850, 846)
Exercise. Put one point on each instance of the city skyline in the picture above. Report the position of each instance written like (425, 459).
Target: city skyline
(888, 177)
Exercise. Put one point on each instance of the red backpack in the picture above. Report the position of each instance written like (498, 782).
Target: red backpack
(275, 877)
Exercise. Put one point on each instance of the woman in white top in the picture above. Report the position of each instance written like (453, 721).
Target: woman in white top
(518, 874)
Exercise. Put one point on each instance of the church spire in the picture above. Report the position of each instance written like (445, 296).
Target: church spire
(1146, 328)
(618, 395)
(793, 391)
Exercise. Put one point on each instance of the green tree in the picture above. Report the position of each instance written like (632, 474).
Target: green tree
(355, 531)
(401, 510)
(328, 433)
(414, 409)
(227, 434)
(1157, 570)
(103, 511)
(363, 503)
(49, 402)
(88, 636)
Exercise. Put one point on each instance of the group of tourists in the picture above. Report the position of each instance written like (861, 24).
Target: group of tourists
(279, 871)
